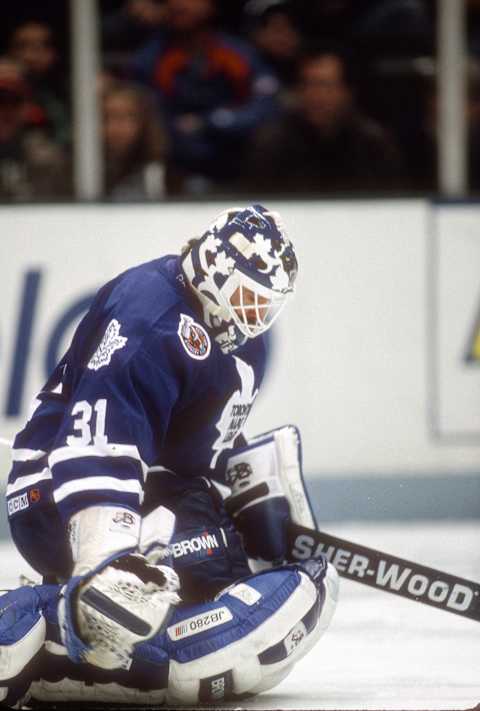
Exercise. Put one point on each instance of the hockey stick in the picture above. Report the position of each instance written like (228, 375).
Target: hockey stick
(387, 572)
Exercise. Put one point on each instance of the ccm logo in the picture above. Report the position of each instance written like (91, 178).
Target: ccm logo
(18, 503)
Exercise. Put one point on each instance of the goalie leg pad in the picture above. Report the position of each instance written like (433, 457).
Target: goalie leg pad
(249, 639)
(244, 642)
(22, 635)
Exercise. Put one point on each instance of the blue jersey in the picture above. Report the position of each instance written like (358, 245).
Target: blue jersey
(141, 387)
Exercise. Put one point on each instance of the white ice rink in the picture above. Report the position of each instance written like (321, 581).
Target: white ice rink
(381, 651)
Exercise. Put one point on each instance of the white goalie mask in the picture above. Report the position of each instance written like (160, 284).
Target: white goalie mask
(242, 270)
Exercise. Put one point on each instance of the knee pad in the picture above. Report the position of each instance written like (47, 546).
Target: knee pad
(250, 637)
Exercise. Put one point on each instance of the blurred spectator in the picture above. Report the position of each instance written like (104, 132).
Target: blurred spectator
(31, 44)
(32, 167)
(274, 31)
(134, 145)
(128, 26)
(105, 80)
(384, 36)
(324, 144)
(213, 91)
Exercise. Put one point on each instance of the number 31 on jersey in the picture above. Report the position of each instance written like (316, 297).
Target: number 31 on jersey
(86, 431)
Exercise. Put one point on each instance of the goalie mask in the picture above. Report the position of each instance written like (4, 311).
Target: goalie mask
(242, 270)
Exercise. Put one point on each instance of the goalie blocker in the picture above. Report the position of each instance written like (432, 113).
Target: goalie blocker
(268, 492)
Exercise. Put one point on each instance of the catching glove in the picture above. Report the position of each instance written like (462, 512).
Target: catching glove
(115, 598)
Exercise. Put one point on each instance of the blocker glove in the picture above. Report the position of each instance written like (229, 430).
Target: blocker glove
(267, 493)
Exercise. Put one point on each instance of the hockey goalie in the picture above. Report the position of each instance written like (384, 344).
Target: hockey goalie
(158, 529)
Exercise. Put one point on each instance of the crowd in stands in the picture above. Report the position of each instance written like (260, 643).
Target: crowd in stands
(258, 97)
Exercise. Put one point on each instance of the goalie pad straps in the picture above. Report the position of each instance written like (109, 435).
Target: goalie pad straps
(270, 466)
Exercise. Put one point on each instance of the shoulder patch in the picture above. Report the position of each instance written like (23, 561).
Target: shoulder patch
(111, 342)
(193, 338)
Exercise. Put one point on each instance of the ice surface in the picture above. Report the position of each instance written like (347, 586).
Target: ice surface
(381, 651)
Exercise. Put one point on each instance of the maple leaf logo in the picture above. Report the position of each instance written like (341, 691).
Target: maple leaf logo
(236, 410)
(112, 341)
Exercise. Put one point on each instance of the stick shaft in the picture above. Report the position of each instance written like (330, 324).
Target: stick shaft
(387, 572)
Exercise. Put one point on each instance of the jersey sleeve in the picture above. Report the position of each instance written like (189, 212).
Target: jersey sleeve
(113, 430)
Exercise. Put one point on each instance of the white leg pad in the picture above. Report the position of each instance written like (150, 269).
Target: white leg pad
(250, 662)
